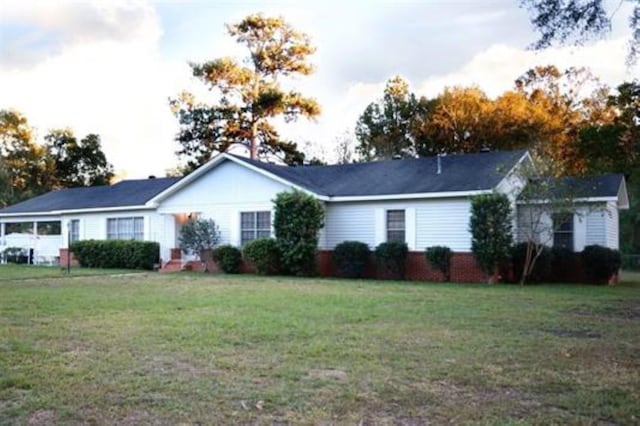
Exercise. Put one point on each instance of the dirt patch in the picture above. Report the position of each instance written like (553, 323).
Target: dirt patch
(175, 366)
(41, 418)
(624, 309)
(334, 374)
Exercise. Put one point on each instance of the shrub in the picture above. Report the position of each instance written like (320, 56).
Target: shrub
(391, 258)
(563, 264)
(600, 263)
(350, 258)
(491, 228)
(439, 258)
(199, 235)
(298, 219)
(541, 269)
(264, 254)
(228, 258)
(116, 254)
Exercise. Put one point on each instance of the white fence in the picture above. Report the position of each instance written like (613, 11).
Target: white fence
(46, 248)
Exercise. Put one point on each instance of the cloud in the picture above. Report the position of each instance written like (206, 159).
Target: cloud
(111, 83)
(33, 31)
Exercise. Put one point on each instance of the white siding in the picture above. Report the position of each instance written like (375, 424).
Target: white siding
(612, 225)
(429, 222)
(222, 194)
(596, 232)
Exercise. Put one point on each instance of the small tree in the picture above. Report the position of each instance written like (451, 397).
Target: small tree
(491, 231)
(298, 220)
(439, 258)
(198, 237)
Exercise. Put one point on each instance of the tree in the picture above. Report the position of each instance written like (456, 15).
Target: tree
(456, 122)
(297, 222)
(491, 231)
(198, 237)
(77, 163)
(577, 21)
(23, 160)
(384, 129)
(248, 95)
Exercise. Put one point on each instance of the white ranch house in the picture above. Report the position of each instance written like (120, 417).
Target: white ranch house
(423, 202)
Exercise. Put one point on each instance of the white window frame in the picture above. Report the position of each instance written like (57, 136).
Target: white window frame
(557, 230)
(257, 232)
(125, 228)
(74, 230)
(390, 229)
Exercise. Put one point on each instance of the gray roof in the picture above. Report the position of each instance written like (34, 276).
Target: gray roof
(468, 172)
(122, 194)
(592, 186)
(463, 172)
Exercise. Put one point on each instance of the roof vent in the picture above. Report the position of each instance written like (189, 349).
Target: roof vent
(485, 149)
(397, 157)
(152, 176)
(439, 163)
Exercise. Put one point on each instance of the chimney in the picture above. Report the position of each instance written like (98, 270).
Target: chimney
(152, 176)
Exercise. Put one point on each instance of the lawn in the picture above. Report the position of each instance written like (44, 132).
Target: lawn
(12, 272)
(212, 349)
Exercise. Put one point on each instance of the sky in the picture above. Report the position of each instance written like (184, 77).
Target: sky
(110, 67)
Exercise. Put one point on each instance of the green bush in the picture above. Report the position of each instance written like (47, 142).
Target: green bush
(228, 258)
(350, 258)
(541, 269)
(391, 258)
(264, 254)
(116, 254)
(298, 220)
(600, 263)
(563, 264)
(490, 227)
(439, 258)
(198, 236)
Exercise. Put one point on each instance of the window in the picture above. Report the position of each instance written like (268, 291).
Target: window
(254, 225)
(395, 226)
(49, 228)
(125, 228)
(74, 230)
(18, 228)
(563, 231)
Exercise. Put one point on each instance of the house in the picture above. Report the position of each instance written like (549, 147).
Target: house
(423, 202)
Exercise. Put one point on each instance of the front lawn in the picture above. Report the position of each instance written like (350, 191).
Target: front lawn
(11, 272)
(192, 348)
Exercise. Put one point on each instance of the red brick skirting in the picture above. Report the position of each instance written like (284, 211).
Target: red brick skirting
(64, 253)
(463, 268)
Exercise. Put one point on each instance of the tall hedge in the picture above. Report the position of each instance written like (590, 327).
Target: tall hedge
(439, 257)
(491, 230)
(116, 254)
(298, 220)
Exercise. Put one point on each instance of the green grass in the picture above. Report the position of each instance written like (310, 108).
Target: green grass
(11, 272)
(189, 348)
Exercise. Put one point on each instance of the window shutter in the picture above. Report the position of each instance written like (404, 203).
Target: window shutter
(410, 227)
(380, 227)
(234, 229)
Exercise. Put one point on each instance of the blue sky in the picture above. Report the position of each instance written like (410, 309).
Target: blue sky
(109, 67)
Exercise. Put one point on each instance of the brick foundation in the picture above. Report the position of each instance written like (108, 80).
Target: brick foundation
(463, 268)
(64, 253)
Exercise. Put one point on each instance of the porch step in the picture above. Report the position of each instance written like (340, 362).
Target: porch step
(176, 265)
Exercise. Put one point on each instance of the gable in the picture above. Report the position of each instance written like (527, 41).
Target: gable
(227, 183)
